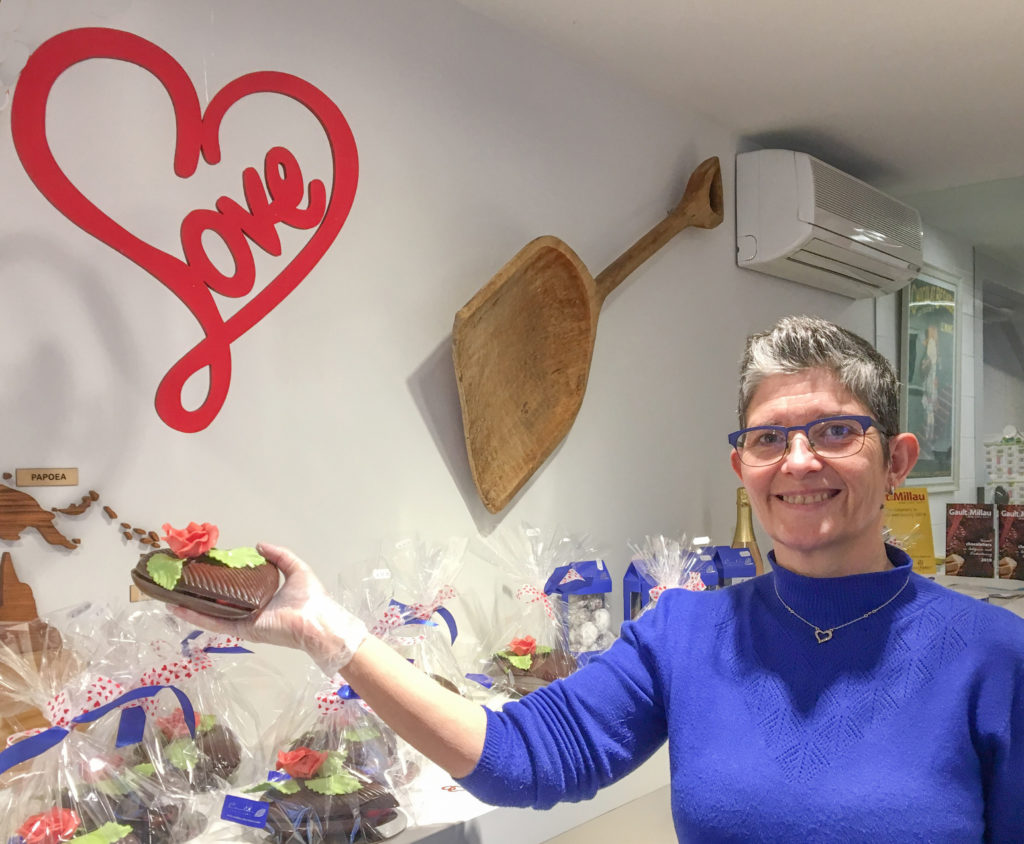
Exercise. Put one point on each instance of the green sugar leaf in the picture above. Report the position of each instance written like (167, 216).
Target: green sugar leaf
(523, 661)
(343, 783)
(333, 764)
(206, 723)
(543, 650)
(288, 786)
(112, 787)
(145, 769)
(106, 834)
(364, 733)
(165, 570)
(237, 558)
(182, 753)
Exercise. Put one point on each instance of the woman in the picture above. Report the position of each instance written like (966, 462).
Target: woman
(840, 697)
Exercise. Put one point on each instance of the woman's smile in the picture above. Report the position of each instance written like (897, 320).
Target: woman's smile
(803, 498)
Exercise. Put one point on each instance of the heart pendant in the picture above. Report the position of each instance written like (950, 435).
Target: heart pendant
(822, 635)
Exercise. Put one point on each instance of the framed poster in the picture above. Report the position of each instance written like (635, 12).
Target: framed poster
(929, 375)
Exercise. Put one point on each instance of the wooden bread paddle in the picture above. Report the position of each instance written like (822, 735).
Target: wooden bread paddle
(522, 345)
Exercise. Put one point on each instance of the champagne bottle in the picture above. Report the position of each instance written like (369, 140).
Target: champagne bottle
(744, 534)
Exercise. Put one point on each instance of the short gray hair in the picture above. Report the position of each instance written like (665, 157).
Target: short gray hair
(798, 343)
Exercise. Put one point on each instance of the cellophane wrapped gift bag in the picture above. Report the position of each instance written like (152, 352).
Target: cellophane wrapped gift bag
(416, 618)
(527, 644)
(35, 665)
(82, 790)
(666, 563)
(335, 773)
(222, 679)
(582, 588)
(81, 777)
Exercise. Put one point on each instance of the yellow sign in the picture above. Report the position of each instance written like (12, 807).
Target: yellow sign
(46, 477)
(908, 525)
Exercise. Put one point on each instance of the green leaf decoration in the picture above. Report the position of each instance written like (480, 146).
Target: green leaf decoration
(332, 765)
(364, 733)
(144, 769)
(237, 558)
(165, 570)
(106, 834)
(112, 787)
(523, 661)
(206, 723)
(182, 753)
(288, 786)
(543, 650)
(343, 783)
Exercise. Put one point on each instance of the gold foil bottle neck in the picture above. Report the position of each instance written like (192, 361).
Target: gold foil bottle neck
(743, 537)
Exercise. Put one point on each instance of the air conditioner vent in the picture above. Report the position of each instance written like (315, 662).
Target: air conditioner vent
(801, 219)
(861, 204)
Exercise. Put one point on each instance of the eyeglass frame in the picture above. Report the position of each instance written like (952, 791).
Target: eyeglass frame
(865, 422)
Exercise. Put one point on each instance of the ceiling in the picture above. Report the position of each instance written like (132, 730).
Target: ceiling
(915, 97)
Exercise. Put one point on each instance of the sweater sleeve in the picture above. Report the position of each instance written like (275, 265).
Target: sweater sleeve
(999, 729)
(570, 738)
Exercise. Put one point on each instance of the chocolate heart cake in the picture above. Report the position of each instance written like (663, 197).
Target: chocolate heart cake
(323, 796)
(369, 814)
(528, 666)
(226, 583)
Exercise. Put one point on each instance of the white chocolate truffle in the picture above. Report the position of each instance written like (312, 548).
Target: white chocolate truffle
(588, 634)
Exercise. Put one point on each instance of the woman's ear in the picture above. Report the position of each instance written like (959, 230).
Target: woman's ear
(903, 452)
(734, 458)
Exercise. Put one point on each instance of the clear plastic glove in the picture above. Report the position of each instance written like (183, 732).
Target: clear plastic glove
(301, 615)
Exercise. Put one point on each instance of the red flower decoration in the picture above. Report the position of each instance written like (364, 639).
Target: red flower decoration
(173, 726)
(300, 763)
(192, 540)
(49, 827)
(522, 647)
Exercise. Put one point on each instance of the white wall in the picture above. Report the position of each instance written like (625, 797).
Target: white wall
(341, 425)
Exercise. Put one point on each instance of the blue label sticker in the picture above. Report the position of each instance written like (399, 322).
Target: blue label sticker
(244, 811)
(277, 776)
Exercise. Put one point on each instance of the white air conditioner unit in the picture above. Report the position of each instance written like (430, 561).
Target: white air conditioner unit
(801, 219)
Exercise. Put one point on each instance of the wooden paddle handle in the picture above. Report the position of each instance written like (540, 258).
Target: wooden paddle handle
(701, 206)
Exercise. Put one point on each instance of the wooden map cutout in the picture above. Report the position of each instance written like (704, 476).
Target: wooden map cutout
(20, 512)
(27, 643)
(17, 603)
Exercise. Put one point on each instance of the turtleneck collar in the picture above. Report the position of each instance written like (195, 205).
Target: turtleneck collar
(828, 601)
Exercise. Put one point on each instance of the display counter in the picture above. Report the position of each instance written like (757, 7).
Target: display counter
(472, 822)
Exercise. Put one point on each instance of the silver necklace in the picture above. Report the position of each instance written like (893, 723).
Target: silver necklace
(823, 635)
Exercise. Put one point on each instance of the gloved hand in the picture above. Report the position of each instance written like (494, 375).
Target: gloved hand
(301, 615)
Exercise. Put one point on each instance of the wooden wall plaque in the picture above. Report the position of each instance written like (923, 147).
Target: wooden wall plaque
(46, 477)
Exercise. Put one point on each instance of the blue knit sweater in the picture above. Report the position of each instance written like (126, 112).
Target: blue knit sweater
(905, 726)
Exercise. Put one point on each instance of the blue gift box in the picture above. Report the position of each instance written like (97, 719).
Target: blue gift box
(575, 581)
(637, 585)
(636, 591)
(708, 570)
(734, 564)
(587, 577)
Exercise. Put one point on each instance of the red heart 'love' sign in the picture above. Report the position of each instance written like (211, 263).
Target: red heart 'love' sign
(276, 199)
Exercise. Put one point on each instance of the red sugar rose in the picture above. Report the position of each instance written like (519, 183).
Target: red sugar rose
(173, 726)
(300, 763)
(522, 647)
(191, 541)
(49, 827)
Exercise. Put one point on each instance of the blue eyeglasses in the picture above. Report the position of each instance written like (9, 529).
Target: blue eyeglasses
(831, 437)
